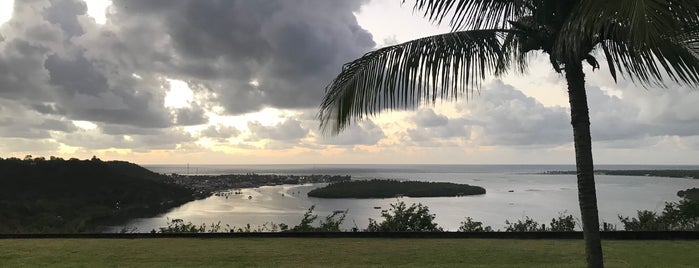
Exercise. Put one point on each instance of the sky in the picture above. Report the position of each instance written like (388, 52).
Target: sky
(239, 82)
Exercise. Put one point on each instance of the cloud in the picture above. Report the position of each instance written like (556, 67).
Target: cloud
(428, 118)
(219, 132)
(98, 140)
(362, 133)
(292, 49)
(56, 61)
(35, 147)
(289, 131)
(189, 117)
(508, 117)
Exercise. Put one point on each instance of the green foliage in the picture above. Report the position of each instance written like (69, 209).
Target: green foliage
(680, 216)
(331, 223)
(392, 188)
(265, 227)
(607, 227)
(179, 226)
(399, 218)
(647, 41)
(306, 221)
(469, 225)
(564, 223)
(691, 194)
(525, 225)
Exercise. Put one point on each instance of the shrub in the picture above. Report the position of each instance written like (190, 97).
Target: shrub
(680, 216)
(179, 226)
(331, 223)
(469, 225)
(399, 218)
(527, 225)
(564, 223)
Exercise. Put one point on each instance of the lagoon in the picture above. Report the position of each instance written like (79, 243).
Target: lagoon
(513, 192)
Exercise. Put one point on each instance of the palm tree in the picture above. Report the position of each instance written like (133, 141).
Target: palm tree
(647, 41)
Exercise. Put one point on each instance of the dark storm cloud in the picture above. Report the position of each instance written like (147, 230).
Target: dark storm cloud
(56, 78)
(22, 76)
(18, 122)
(64, 13)
(292, 48)
(190, 117)
(57, 62)
(58, 125)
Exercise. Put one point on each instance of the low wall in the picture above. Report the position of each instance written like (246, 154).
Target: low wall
(616, 235)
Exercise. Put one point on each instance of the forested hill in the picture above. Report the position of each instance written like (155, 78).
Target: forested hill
(56, 195)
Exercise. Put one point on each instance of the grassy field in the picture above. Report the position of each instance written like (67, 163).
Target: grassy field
(337, 252)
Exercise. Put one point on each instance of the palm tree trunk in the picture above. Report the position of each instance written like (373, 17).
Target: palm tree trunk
(587, 196)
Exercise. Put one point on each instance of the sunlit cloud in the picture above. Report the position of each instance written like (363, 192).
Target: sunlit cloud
(86, 125)
(97, 9)
(179, 95)
(6, 10)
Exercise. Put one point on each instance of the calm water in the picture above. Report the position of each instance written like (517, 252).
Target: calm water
(541, 197)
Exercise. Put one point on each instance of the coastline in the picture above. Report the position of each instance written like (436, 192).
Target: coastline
(661, 173)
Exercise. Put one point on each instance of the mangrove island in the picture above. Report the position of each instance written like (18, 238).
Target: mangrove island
(394, 188)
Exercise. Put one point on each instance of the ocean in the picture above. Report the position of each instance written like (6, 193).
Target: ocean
(513, 192)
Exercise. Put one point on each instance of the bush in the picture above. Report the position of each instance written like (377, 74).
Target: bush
(331, 223)
(399, 218)
(528, 225)
(564, 223)
(179, 226)
(469, 225)
(680, 216)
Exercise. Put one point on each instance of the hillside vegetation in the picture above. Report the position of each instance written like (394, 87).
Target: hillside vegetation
(56, 195)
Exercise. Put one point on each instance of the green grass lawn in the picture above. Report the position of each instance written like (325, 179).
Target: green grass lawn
(337, 252)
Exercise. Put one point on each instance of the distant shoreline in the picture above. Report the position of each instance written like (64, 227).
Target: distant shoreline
(664, 173)
(206, 185)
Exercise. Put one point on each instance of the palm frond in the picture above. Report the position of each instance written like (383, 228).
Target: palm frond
(648, 64)
(642, 39)
(474, 14)
(641, 21)
(405, 75)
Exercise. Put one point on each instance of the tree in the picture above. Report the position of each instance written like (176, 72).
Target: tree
(647, 41)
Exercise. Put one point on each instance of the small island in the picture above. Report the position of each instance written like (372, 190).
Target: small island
(394, 188)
